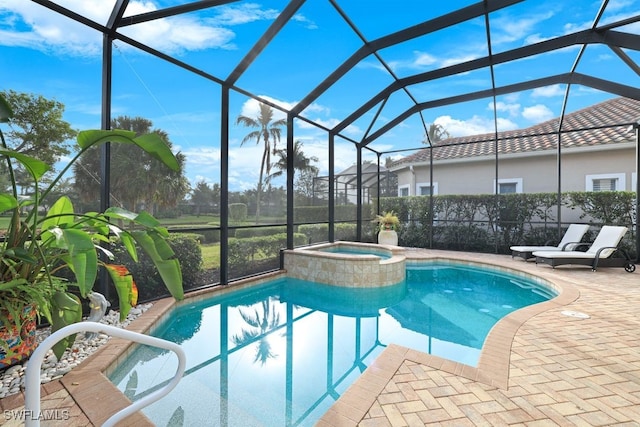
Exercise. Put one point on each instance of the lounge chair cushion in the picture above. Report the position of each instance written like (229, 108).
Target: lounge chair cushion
(608, 237)
(571, 238)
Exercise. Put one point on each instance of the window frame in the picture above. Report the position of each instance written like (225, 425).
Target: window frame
(420, 185)
(620, 177)
(517, 181)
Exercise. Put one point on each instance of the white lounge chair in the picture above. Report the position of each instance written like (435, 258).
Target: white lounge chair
(603, 252)
(569, 242)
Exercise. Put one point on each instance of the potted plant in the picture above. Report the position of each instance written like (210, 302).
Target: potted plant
(38, 246)
(388, 225)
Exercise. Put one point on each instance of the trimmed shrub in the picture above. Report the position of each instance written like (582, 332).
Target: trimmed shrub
(313, 214)
(315, 232)
(243, 251)
(187, 249)
(345, 231)
(243, 233)
(210, 236)
(238, 212)
(489, 222)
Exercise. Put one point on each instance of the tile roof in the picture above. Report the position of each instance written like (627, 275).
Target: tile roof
(542, 136)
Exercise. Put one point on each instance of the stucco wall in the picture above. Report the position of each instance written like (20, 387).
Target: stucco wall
(538, 171)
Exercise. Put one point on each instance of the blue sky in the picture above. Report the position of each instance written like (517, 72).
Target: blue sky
(45, 53)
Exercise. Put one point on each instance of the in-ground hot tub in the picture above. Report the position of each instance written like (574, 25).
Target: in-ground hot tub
(348, 264)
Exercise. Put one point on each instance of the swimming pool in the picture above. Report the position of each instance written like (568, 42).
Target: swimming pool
(355, 251)
(282, 353)
(347, 264)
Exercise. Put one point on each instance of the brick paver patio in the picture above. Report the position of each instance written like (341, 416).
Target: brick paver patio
(542, 366)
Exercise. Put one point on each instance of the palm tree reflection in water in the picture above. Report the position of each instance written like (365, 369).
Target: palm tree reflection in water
(261, 323)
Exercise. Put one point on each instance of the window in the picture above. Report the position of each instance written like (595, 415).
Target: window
(426, 189)
(403, 191)
(508, 185)
(606, 182)
(507, 188)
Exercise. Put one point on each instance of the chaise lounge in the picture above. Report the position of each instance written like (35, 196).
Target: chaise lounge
(570, 241)
(603, 252)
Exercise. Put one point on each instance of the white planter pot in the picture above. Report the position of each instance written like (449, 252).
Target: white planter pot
(388, 237)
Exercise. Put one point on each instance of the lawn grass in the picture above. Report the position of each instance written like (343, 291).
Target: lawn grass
(210, 251)
(213, 220)
(210, 255)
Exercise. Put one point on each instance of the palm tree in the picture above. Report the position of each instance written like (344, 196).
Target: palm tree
(301, 162)
(267, 132)
(135, 178)
(436, 133)
(261, 324)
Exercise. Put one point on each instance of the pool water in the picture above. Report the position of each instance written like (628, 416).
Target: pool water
(281, 354)
(354, 251)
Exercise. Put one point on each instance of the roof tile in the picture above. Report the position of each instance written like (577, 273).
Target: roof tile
(606, 124)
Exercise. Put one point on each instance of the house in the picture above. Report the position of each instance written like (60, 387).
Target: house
(597, 153)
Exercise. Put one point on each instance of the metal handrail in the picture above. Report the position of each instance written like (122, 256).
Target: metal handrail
(32, 378)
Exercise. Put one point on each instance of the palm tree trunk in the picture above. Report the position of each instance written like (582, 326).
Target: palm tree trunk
(259, 190)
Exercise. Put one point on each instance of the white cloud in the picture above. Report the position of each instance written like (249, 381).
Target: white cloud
(458, 60)
(243, 14)
(511, 108)
(202, 155)
(506, 124)
(548, 91)
(422, 59)
(309, 24)
(327, 123)
(604, 57)
(316, 108)
(535, 38)
(507, 29)
(27, 24)
(571, 27)
(178, 34)
(419, 61)
(537, 113)
(475, 126)
(251, 107)
(615, 5)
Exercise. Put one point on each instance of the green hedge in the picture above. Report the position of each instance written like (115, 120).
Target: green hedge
(243, 251)
(320, 232)
(150, 286)
(238, 212)
(243, 233)
(490, 223)
(310, 214)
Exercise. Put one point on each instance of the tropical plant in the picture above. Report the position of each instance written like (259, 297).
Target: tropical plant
(39, 248)
(37, 128)
(155, 184)
(267, 131)
(435, 133)
(387, 221)
(301, 162)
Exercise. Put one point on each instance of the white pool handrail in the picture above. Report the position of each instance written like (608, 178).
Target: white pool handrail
(32, 378)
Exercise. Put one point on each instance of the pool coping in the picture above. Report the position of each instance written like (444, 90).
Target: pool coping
(99, 399)
(96, 396)
(493, 365)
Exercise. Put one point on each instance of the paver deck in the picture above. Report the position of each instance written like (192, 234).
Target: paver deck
(544, 365)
